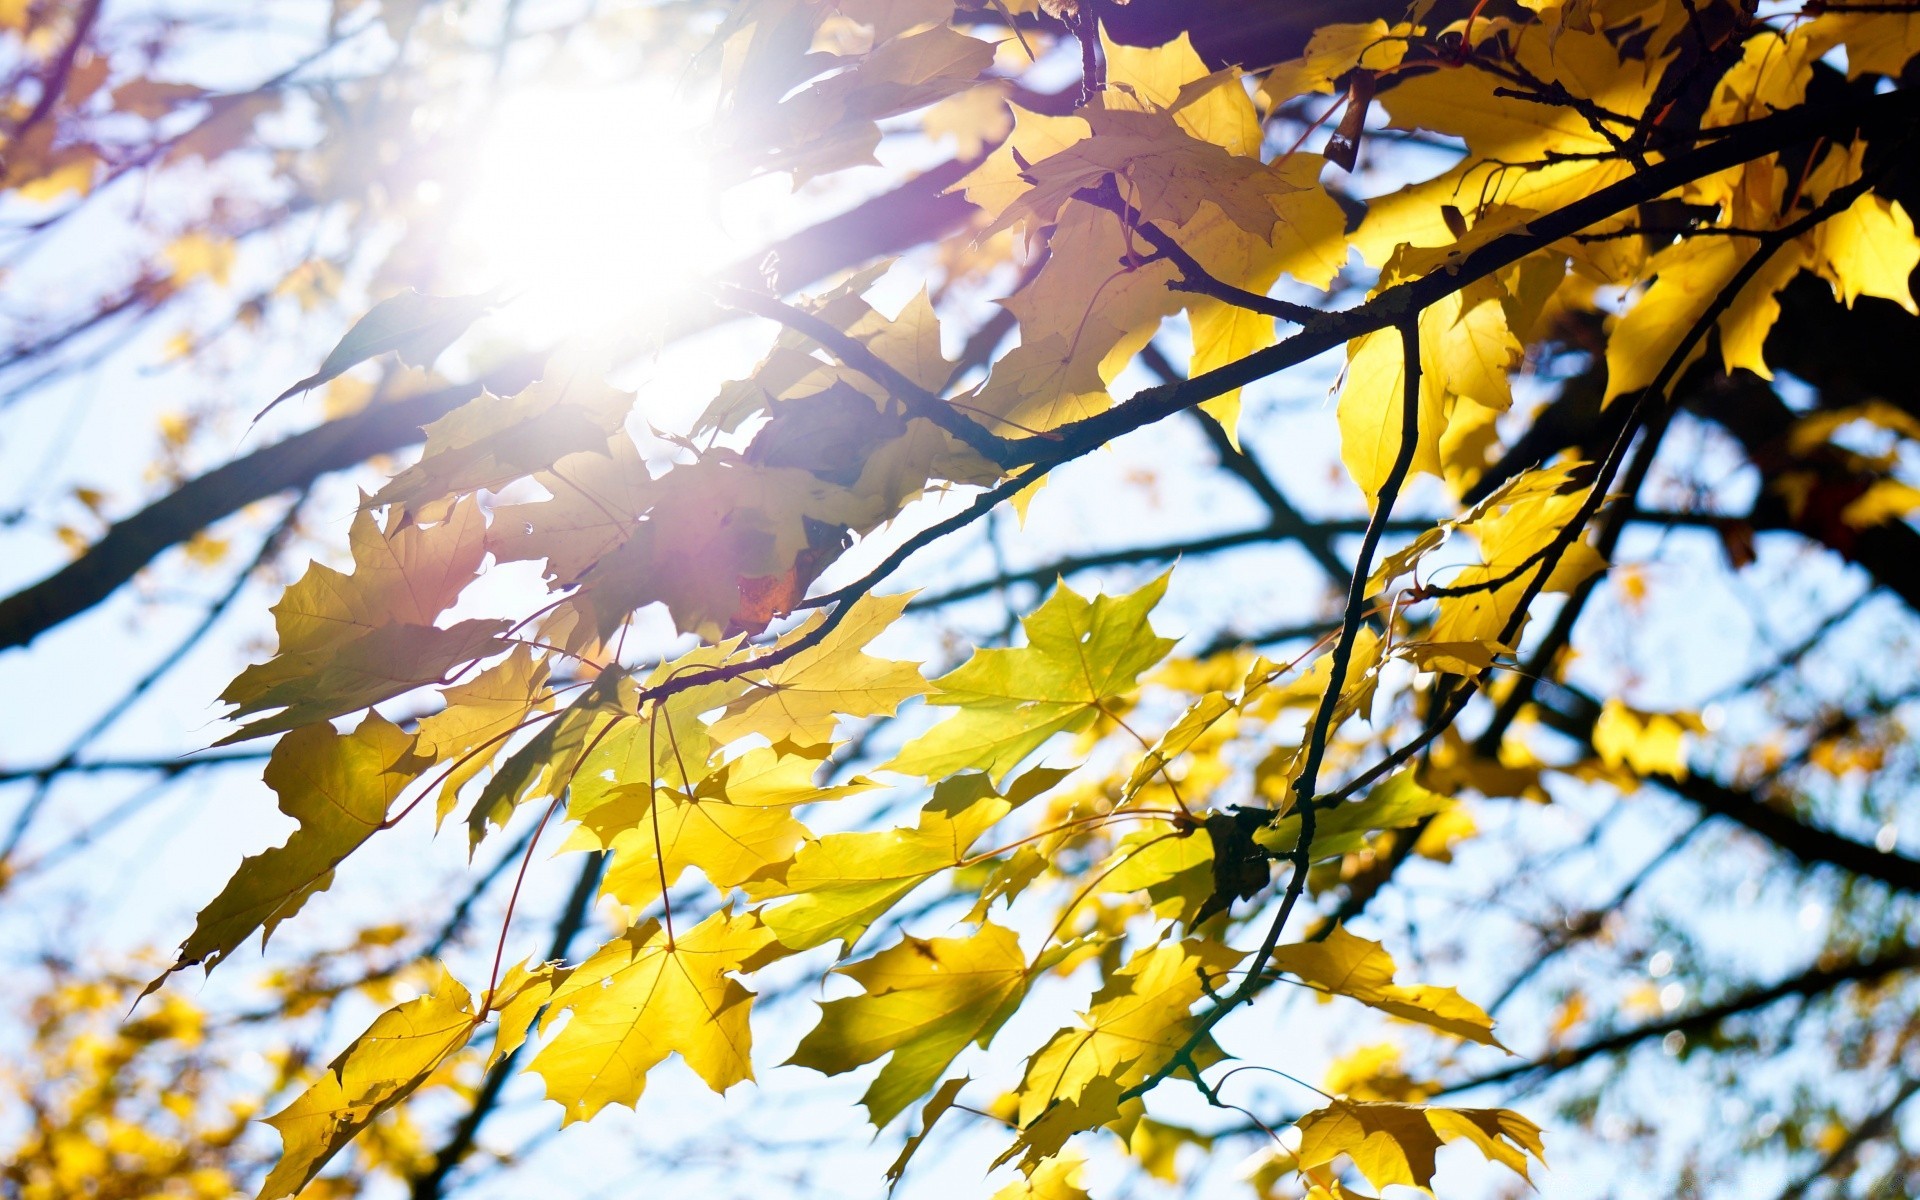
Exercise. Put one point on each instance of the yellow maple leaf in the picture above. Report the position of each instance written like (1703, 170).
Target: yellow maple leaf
(1057, 1178)
(736, 823)
(843, 882)
(799, 700)
(1346, 965)
(1331, 52)
(643, 996)
(1877, 43)
(479, 714)
(1647, 743)
(198, 256)
(383, 1066)
(1395, 1143)
(1869, 250)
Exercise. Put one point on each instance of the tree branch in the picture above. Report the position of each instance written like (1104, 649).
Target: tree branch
(1570, 712)
(913, 212)
(919, 402)
(1814, 982)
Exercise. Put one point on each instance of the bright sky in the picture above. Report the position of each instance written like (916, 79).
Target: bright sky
(588, 204)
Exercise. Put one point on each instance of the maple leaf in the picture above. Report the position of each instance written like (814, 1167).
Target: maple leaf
(1515, 529)
(338, 787)
(481, 713)
(1351, 966)
(935, 1108)
(1080, 657)
(1043, 1138)
(843, 882)
(1502, 131)
(799, 699)
(1395, 1143)
(597, 500)
(830, 124)
(1648, 743)
(669, 744)
(925, 1001)
(552, 758)
(1688, 279)
(518, 998)
(1055, 1179)
(1344, 828)
(1165, 172)
(415, 327)
(710, 529)
(1331, 52)
(383, 1066)
(1877, 43)
(492, 440)
(733, 824)
(643, 996)
(385, 662)
(1138, 1019)
(1869, 250)
(349, 641)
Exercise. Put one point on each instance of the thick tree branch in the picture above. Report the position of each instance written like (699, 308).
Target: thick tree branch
(294, 463)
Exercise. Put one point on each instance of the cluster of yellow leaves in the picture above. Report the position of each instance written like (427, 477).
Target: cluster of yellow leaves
(808, 84)
(732, 539)
(119, 1106)
(1182, 148)
(809, 452)
(1519, 534)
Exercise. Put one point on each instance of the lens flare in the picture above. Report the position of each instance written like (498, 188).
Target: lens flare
(594, 205)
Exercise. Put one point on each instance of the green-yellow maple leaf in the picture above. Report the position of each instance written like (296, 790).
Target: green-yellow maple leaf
(799, 699)
(1139, 1019)
(843, 882)
(1344, 828)
(925, 1001)
(1080, 657)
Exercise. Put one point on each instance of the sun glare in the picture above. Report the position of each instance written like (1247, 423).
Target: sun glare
(593, 205)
